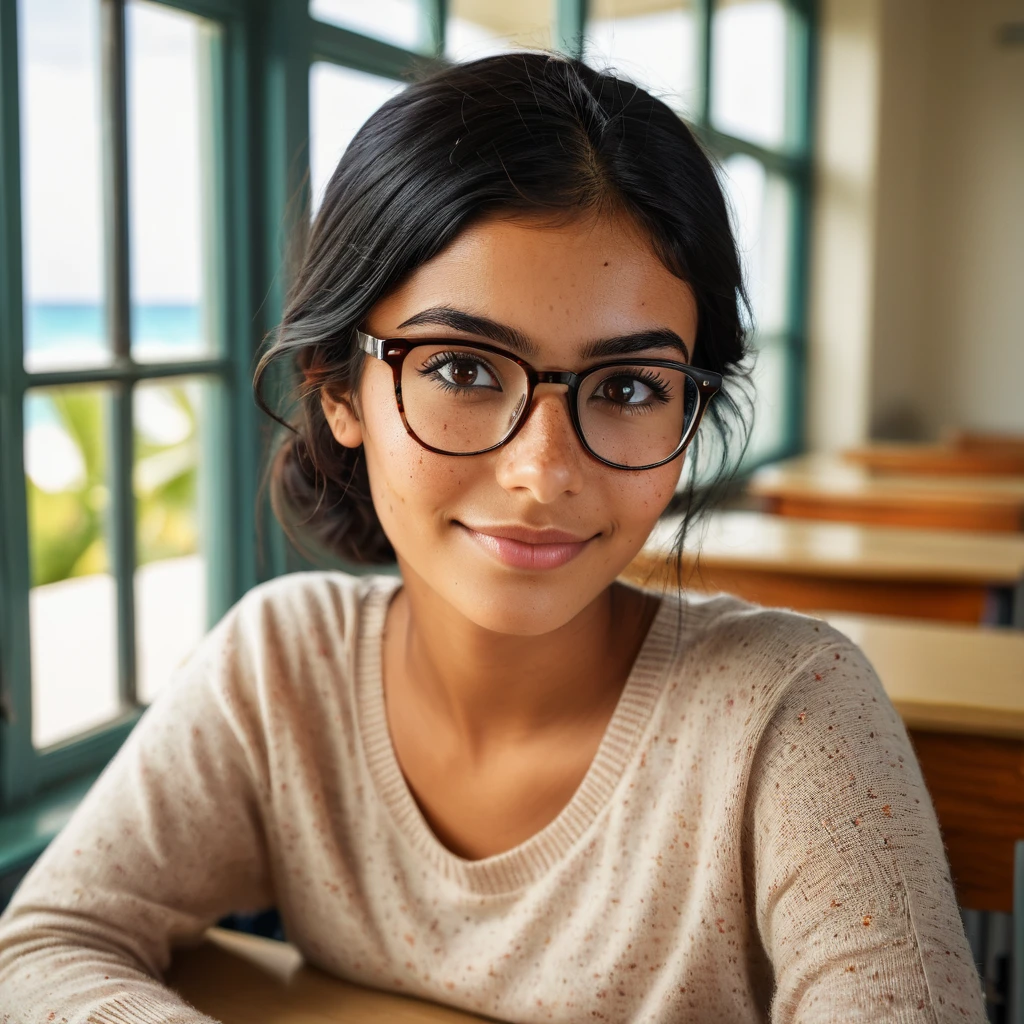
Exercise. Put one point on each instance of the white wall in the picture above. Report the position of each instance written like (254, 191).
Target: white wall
(973, 233)
(917, 283)
(843, 229)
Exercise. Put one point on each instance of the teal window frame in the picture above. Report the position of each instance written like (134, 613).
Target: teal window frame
(261, 62)
(794, 163)
(28, 774)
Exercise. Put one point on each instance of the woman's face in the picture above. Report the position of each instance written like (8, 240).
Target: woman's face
(562, 287)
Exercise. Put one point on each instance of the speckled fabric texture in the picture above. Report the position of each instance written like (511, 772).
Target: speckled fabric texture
(752, 841)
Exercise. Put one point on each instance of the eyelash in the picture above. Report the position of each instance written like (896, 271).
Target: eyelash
(661, 390)
(439, 359)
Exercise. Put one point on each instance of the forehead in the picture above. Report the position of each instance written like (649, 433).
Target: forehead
(557, 282)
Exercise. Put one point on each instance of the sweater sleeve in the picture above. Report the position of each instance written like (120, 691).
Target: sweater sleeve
(167, 840)
(854, 901)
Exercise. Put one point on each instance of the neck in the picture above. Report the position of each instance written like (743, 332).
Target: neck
(492, 688)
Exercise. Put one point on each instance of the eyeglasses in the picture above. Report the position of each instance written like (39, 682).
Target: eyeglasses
(457, 398)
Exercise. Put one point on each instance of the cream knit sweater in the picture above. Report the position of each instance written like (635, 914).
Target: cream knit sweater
(752, 841)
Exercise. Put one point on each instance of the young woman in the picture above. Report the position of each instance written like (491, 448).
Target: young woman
(505, 780)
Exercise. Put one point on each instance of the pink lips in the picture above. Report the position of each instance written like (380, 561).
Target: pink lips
(522, 548)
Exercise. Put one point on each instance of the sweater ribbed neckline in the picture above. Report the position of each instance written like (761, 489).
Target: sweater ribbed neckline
(516, 868)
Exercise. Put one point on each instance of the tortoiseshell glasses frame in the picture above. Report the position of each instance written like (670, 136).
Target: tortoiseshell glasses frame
(394, 351)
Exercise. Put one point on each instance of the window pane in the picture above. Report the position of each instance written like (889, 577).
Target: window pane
(476, 29)
(748, 65)
(340, 100)
(170, 578)
(171, 210)
(401, 22)
(72, 604)
(762, 218)
(61, 183)
(771, 394)
(651, 42)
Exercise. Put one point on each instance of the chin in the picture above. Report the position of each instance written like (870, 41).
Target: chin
(524, 606)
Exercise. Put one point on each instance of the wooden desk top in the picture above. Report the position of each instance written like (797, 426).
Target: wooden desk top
(977, 440)
(239, 979)
(938, 459)
(755, 541)
(825, 475)
(944, 677)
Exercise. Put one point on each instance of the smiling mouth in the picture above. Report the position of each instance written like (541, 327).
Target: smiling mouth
(520, 547)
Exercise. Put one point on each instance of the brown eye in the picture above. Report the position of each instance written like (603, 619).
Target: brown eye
(624, 390)
(462, 372)
(465, 374)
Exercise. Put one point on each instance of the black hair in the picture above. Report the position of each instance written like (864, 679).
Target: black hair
(517, 133)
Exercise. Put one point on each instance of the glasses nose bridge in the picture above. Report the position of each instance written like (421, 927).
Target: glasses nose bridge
(565, 378)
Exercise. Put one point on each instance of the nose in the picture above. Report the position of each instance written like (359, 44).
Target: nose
(545, 457)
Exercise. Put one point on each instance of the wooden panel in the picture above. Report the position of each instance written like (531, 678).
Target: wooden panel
(938, 460)
(998, 518)
(976, 441)
(977, 786)
(238, 979)
(948, 603)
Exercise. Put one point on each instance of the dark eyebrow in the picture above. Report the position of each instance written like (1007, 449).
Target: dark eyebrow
(514, 340)
(641, 341)
(470, 323)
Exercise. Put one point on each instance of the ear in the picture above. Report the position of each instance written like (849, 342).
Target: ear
(342, 420)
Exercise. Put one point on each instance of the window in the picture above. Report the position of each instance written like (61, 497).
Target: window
(475, 29)
(340, 100)
(135, 291)
(738, 70)
(125, 449)
(655, 43)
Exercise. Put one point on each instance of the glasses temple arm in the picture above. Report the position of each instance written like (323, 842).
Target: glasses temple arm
(370, 345)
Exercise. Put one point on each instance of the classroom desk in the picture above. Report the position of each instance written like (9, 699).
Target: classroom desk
(937, 459)
(960, 691)
(242, 979)
(826, 487)
(951, 575)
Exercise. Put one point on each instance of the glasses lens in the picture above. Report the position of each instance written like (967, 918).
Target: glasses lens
(636, 415)
(460, 399)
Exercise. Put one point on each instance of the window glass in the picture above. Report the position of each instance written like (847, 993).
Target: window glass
(401, 22)
(61, 183)
(477, 28)
(171, 205)
(651, 42)
(340, 100)
(171, 573)
(749, 55)
(762, 213)
(771, 401)
(72, 603)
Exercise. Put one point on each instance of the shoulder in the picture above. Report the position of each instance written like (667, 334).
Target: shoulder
(735, 654)
(797, 674)
(309, 604)
(283, 628)
(754, 638)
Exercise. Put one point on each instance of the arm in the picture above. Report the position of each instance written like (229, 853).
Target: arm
(167, 840)
(855, 905)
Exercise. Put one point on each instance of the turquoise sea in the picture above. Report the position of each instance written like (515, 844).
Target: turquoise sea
(79, 330)
(66, 335)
